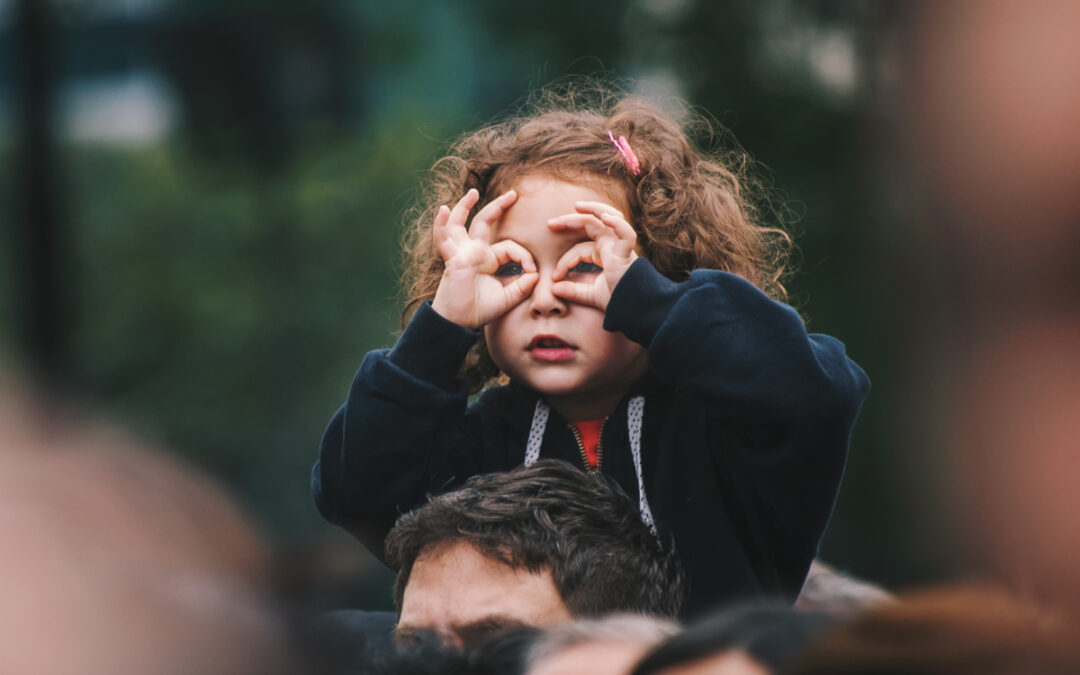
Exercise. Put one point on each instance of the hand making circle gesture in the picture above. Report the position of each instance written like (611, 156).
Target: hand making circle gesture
(471, 293)
(611, 249)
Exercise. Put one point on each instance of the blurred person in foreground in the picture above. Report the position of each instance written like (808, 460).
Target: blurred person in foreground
(535, 546)
(752, 638)
(990, 98)
(117, 560)
(608, 646)
(951, 631)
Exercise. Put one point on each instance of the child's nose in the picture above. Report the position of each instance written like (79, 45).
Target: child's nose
(542, 301)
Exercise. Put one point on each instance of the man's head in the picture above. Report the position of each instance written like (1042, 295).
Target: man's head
(533, 546)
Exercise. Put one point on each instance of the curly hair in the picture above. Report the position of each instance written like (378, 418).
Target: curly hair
(699, 201)
(550, 516)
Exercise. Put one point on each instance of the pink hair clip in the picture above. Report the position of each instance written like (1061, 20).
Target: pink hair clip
(623, 146)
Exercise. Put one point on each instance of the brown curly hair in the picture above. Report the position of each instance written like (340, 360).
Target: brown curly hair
(693, 205)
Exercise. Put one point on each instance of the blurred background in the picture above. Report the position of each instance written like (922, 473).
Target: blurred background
(201, 204)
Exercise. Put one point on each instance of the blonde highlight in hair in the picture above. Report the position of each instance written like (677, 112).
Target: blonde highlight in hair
(699, 201)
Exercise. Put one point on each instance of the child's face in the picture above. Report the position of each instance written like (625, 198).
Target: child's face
(554, 346)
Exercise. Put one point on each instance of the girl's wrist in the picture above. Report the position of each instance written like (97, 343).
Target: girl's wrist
(443, 309)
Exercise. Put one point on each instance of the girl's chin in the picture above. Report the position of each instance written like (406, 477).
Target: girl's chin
(549, 383)
(558, 389)
(570, 390)
(570, 385)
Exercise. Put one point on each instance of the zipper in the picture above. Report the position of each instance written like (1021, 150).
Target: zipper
(599, 447)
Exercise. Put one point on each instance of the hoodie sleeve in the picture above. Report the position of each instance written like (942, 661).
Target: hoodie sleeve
(401, 433)
(781, 402)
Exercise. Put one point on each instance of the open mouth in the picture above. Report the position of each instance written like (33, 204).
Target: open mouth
(550, 348)
(548, 342)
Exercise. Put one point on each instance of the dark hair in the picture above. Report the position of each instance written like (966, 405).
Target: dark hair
(771, 632)
(700, 201)
(550, 516)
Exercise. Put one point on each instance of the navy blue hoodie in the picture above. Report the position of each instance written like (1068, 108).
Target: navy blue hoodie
(743, 439)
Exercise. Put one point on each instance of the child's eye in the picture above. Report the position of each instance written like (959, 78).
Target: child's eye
(509, 269)
(586, 267)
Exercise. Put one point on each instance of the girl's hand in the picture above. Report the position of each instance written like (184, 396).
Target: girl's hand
(588, 272)
(472, 292)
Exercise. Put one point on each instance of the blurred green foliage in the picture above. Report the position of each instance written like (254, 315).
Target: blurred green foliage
(223, 311)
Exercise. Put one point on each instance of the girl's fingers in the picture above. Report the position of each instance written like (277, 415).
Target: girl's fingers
(585, 251)
(622, 228)
(508, 250)
(597, 208)
(520, 288)
(625, 236)
(442, 216)
(443, 241)
(480, 228)
(594, 227)
(574, 220)
(611, 217)
(582, 294)
(459, 215)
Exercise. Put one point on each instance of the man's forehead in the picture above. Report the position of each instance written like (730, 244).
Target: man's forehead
(455, 586)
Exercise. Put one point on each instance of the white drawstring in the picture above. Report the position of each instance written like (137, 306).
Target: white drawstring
(536, 432)
(635, 413)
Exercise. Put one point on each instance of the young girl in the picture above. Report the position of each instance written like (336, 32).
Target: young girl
(617, 285)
